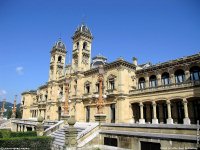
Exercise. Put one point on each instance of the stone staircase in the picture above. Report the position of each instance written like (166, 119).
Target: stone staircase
(59, 135)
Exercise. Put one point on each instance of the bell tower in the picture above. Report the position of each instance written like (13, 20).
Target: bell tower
(57, 62)
(81, 54)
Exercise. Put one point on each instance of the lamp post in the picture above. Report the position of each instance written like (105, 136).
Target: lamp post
(100, 116)
(65, 115)
(14, 108)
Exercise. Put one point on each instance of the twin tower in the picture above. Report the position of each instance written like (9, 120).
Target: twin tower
(81, 53)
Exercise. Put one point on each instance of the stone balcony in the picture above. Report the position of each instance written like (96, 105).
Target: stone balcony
(172, 86)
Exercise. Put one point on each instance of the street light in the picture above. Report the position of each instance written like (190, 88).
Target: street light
(66, 106)
(100, 102)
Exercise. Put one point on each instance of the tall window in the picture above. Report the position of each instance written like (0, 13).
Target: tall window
(152, 81)
(87, 114)
(87, 88)
(97, 87)
(60, 59)
(165, 78)
(141, 83)
(179, 76)
(77, 45)
(195, 73)
(85, 45)
(111, 84)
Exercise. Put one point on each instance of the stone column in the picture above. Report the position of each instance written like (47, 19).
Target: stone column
(187, 75)
(154, 120)
(172, 78)
(186, 120)
(33, 129)
(158, 76)
(25, 129)
(146, 81)
(141, 120)
(169, 119)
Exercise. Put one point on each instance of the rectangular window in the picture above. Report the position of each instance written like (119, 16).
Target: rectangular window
(111, 84)
(97, 87)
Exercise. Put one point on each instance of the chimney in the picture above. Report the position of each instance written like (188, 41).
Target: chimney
(135, 61)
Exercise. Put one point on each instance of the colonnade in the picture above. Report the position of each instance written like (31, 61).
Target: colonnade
(166, 111)
(24, 128)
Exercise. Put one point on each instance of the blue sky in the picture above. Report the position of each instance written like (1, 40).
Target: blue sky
(155, 31)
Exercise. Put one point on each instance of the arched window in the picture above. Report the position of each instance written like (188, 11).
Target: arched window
(85, 45)
(59, 58)
(195, 73)
(179, 76)
(165, 78)
(77, 45)
(152, 81)
(141, 83)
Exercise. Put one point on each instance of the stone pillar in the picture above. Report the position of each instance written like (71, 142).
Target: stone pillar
(141, 120)
(71, 135)
(158, 76)
(169, 119)
(186, 120)
(25, 129)
(146, 81)
(40, 128)
(33, 129)
(172, 78)
(154, 120)
(187, 75)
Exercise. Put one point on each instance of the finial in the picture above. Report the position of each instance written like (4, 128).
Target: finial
(15, 97)
(83, 19)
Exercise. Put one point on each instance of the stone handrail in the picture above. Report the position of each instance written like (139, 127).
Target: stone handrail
(87, 130)
(54, 127)
(166, 87)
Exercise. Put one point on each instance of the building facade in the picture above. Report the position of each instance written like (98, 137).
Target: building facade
(165, 93)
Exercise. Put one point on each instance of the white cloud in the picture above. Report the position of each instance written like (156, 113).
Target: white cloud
(20, 70)
(3, 92)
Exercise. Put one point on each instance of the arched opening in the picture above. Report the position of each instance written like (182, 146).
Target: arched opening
(77, 45)
(136, 111)
(85, 45)
(194, 109)
(161, 111)
(195, 73)
(141, 83)
(59, 112)
(148, 111)
(177, 111)
(179, 76)
(152, 81)
(165, 78)
(60, 59)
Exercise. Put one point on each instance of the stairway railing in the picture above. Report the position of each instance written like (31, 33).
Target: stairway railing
(54, 127)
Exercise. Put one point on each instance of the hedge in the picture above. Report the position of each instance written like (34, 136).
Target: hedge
(36, 143)
(23, 134)
(5, 133)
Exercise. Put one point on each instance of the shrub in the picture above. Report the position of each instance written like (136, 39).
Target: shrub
(1, 135)
(5, 133)
(36, 143)
(23, 134)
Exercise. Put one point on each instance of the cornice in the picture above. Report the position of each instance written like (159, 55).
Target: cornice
(172, 63)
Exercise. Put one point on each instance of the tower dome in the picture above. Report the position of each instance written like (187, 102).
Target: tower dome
(59, 45)
(98, 60)
(82, 30)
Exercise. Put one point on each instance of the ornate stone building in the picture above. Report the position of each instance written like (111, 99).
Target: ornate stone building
(165, 93)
